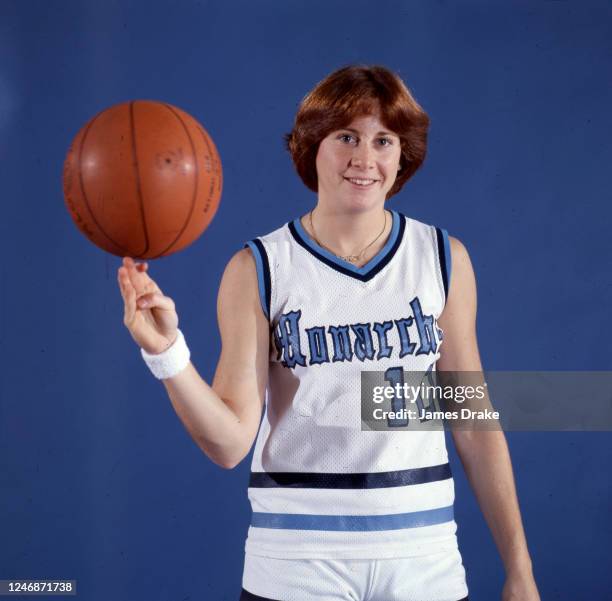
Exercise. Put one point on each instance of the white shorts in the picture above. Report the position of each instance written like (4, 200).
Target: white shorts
(436, 577)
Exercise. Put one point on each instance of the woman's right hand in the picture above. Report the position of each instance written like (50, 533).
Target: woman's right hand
(149, 316)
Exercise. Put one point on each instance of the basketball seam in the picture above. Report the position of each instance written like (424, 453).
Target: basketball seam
(82, 184)
(137, 174)
(196, 182)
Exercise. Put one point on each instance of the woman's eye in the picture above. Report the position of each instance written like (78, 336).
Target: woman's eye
(350, 139)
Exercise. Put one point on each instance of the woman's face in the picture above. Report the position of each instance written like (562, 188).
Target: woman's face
(358, 165)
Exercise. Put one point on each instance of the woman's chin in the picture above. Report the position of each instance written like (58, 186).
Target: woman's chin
(353, 201)
(364, 202)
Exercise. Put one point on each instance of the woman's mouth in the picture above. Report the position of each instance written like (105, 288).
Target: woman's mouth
(361, 182)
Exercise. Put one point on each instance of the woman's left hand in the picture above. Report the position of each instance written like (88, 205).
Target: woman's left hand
(520, 587)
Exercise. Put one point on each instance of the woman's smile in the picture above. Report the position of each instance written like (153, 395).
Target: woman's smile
(362, 183)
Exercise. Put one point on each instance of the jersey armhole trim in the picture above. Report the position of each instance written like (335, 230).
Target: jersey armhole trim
(444, 256)
(263, 274)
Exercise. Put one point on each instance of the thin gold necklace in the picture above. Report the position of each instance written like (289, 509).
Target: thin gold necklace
(349, 258)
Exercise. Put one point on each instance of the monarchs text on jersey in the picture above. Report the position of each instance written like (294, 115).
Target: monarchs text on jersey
(320, 485)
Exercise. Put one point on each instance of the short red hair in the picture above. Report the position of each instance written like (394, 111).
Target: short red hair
(351, 92)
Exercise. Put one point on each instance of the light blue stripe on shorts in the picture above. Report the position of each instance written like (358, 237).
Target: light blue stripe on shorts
(353, 523)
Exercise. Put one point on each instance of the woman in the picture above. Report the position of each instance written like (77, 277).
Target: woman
(340, 512)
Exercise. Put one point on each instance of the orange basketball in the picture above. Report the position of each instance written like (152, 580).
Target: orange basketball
(142, 179)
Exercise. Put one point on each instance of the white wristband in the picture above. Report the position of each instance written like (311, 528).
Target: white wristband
(171, 361)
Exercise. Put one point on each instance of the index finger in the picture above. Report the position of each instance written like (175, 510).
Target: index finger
(137, 273)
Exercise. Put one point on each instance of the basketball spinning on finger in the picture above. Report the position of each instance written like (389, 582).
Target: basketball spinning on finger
(142, 179)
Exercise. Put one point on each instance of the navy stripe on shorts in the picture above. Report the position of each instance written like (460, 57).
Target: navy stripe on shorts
(246, 596)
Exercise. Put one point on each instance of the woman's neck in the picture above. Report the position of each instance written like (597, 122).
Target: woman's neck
(348, 234)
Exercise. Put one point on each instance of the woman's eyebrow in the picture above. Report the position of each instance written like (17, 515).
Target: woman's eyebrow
(380, 133)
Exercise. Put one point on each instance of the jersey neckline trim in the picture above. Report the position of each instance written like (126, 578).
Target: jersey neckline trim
(367, 271)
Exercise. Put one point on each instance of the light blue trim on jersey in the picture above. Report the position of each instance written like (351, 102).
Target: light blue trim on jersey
(353, 523)
(349, 266)
(447, 255)
(260, 277)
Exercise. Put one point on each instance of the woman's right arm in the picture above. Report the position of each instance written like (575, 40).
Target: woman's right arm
(223, 418)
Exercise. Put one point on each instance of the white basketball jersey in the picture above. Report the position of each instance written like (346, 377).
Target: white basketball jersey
(320, 486)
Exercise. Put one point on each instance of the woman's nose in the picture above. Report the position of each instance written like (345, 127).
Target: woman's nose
(362, 157)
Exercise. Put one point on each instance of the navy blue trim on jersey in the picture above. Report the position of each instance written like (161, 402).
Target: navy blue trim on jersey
(371, 268)
(263, 274)
(445, 258)
(353, 523)
(246, 596)
(420, 475)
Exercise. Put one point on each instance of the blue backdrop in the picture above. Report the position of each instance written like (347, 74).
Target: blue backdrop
(99, 481)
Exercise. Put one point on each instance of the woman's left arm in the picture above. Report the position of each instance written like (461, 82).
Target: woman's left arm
(484, 454)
